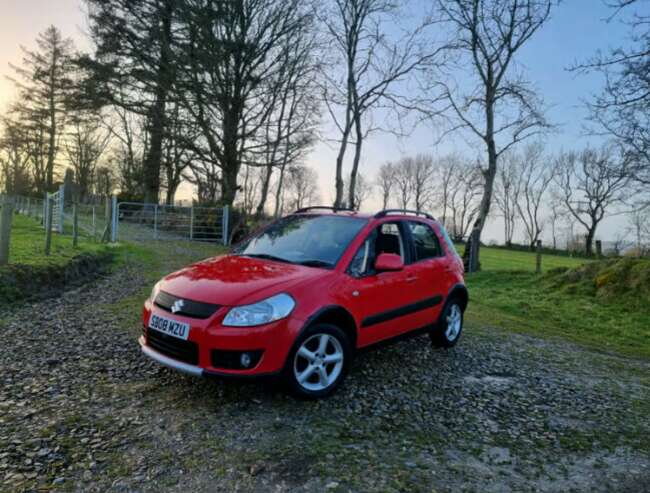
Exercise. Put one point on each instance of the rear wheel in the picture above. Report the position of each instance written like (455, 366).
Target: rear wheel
(319, 361)
(449, 327)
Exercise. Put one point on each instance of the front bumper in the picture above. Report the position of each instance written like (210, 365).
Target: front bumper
(273, 340)
(196, 371)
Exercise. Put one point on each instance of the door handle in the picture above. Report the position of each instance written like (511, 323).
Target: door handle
(411, 279)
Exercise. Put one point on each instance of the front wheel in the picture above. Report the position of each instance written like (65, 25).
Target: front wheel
(449, 327)
(319, 361)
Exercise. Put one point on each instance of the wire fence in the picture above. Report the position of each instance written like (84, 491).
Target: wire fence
(136, 221)
(109, 220)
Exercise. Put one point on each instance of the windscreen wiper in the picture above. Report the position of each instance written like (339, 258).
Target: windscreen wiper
(315, 263)
(266, 256)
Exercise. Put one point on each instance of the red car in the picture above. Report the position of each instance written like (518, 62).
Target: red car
(301, 296)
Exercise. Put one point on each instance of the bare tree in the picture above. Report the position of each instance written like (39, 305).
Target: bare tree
(386, 182)
(590, 184)
(536, 174)
(506, 196)
(423, 182)
(362, 192)
(500, 109)
(231, 92)
(557, 213)
(104, 181)
(251, 185)
(128, 150)
(463, 201)
(44, 86)
(404, 181)
(374, 62)
(639, 227)
(301, 187)
(445, 175)
(134, 59)
(87, 139)
(176, 154)
(14, 159)
(289, 131)
(622, 109)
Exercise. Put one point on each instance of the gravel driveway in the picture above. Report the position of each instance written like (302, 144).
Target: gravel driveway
(82, 410)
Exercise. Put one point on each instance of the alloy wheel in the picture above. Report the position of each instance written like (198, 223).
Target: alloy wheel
(454, 322)
(318, 362)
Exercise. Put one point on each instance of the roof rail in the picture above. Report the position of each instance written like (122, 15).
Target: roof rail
(385, 212)
(328, 207)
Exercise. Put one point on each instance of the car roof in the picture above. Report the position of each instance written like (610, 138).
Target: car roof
(366, 215)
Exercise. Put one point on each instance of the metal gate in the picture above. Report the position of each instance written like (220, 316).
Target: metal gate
(56, 201)
(137, 221)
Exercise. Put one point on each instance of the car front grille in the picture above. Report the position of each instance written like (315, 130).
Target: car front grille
(185, 351)
(189, 308)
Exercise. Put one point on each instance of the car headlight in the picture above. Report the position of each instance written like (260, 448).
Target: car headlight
(263, 312)
(155, 291)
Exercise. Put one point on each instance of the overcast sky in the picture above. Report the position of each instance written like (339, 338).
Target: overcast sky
(577, 29)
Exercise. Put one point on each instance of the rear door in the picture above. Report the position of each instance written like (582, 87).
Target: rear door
(430, 266)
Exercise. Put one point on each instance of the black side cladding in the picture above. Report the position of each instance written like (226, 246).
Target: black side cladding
(401, 311)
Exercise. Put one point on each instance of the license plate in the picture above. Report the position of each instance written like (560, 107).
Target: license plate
(169, 327)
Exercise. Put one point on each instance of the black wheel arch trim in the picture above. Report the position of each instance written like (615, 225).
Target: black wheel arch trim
(309, 321)
(459, 289)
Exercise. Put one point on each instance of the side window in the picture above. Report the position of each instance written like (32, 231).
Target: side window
(363, 260)
(389, 240)
(386, 238)
(450, 244)
(427, 244)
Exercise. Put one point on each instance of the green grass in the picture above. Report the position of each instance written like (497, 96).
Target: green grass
(499, 259)
(27, 245)
(602, 305)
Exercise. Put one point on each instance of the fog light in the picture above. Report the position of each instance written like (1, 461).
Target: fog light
(245, 360)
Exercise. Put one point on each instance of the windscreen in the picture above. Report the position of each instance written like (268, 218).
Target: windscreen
(313, 240)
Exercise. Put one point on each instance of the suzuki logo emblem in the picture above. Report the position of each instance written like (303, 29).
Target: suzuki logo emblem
(177, 306)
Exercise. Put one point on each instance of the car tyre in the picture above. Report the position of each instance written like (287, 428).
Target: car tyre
(447, 331)
(318, 362)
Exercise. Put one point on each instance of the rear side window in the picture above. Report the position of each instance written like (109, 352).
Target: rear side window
(427, 244)
(450, 244)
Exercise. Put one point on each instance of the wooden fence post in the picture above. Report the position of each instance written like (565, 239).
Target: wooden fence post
(48, 226)
(75, 225)
(538, 260)
(599, 248)
(6, 216)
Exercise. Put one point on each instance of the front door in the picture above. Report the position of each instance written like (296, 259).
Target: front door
(384, 302)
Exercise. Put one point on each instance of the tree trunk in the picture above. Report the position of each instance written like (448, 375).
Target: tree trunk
(49, 177)
(589, 241)
(486, 200)
(339, 167)
(157, 116)
(489, 174)
(266, 183)
(172, 186)
(355, 163)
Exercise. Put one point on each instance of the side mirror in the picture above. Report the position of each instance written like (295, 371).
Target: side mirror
(388, 262)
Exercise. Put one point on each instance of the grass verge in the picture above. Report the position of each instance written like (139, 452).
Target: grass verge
(567, 304)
